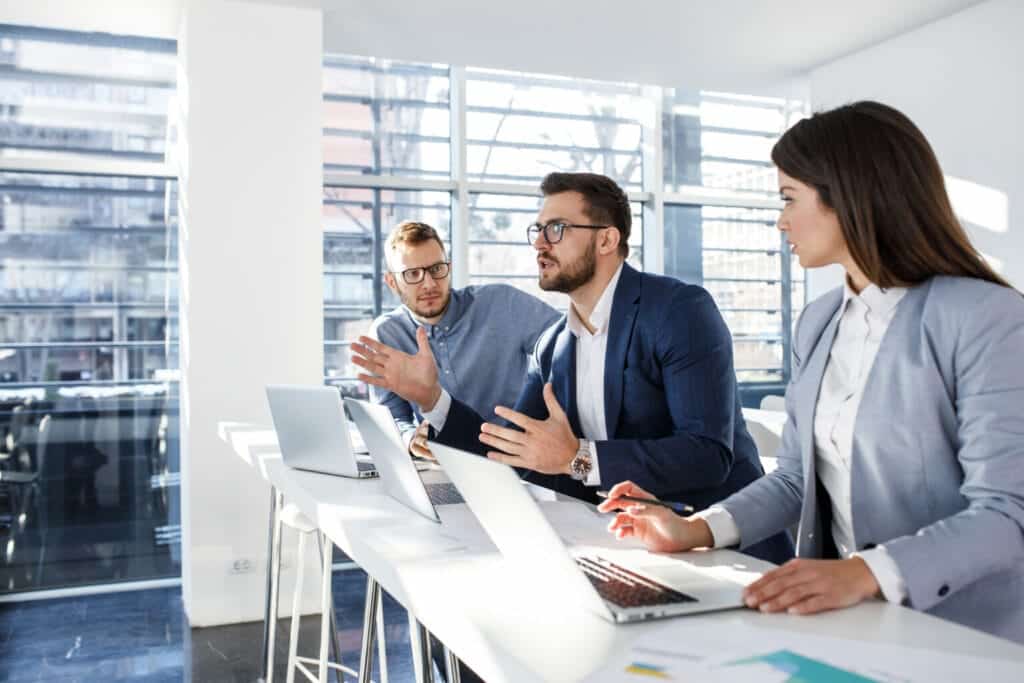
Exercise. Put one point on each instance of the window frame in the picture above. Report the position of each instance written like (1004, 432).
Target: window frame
(653, 198)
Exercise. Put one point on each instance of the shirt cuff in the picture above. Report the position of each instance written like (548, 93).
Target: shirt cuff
(886, 572)
(594, 478)
(438, 415)
(407, 437)
(723, 527)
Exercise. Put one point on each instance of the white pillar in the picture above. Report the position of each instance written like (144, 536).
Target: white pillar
(251, 294)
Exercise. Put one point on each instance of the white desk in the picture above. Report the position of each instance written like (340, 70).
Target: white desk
(502, 629)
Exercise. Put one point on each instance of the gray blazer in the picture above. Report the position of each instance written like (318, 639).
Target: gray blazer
(938, 451)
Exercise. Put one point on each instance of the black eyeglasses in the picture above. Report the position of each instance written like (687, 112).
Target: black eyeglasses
(554, 230)
(414, 276)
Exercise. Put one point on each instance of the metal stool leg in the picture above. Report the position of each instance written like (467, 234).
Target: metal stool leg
(293, 638)
(382, 652)
(451, 664)
(273, 585)
(324, 542)
(369, 616)
(419, 640)
(327, 607)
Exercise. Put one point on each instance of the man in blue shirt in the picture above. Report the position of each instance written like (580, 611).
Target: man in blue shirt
(481, 336)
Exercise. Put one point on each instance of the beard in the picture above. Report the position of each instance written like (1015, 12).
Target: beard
(575, 275)
(426, 309)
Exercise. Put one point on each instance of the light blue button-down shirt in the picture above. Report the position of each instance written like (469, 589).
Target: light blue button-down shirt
(482, 346)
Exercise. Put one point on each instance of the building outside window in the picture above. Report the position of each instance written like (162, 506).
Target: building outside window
(88, 311)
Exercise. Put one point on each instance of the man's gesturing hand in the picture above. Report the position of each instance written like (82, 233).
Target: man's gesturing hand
(546, 446)
(413, 377)
(418, 445)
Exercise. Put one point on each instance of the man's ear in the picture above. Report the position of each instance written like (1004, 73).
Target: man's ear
(392, 284)
(609, 241)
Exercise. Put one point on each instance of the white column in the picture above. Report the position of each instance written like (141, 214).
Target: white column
(250, 165)
(460, 198)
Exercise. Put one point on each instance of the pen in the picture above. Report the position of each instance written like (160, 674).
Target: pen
(678, 508)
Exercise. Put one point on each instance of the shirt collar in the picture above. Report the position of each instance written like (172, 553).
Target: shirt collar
(601, 314)
(879, 302)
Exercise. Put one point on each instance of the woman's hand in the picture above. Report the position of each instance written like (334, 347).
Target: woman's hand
(808, 586)
(657, 527)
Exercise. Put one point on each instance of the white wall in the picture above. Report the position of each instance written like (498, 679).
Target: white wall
(961, 80)
(251, 292)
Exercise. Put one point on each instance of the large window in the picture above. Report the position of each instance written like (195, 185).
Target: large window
(465, 149)
(720, 213)
(88, 311)
(519, 128)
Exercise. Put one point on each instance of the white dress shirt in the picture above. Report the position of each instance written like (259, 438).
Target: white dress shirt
(864, 318)
(591, 350)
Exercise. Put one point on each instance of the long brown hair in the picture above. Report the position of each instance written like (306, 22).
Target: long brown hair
(875, 169)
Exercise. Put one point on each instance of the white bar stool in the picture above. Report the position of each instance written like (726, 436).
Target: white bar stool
(291, 517)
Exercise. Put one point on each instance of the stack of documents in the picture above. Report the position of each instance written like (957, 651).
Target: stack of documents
(729, 651)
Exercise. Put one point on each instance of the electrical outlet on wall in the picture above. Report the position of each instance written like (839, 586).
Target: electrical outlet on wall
(241, 565)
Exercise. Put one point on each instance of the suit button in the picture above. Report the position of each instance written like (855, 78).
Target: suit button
(943, 590)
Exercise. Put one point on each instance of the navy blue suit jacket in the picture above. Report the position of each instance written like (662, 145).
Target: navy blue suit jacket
(672, 407)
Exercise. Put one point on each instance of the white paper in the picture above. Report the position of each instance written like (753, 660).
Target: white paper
(729, 651)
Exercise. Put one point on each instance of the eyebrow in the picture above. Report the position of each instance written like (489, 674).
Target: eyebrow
(787, 187)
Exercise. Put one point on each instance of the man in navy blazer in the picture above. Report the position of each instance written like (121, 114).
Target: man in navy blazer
(635, 382)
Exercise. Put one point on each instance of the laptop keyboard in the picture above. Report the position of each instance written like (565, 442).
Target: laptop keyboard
(444, 494)
(625, 588)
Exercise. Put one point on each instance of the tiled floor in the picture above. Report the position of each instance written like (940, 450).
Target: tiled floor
(143, 636)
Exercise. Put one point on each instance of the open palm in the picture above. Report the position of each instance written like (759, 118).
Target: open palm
(411, 376)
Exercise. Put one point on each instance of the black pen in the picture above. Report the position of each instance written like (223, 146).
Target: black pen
(678, 508)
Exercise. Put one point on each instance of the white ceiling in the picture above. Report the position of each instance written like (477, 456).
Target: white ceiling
(728, 44)
(745, 45)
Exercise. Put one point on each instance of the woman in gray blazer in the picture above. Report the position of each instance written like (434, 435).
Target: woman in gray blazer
(902, 457)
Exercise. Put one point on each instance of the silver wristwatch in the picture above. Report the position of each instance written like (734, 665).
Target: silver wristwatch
(581, 464)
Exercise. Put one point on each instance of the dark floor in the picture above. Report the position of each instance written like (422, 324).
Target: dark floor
(143, 636)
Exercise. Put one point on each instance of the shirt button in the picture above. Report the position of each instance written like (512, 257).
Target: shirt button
(447, 372)
(943, 590)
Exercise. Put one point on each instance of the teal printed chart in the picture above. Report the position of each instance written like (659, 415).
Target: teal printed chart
(802, 669)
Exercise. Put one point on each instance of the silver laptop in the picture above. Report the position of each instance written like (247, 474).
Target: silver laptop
(648, 586)
(313, 433)
(398, 472)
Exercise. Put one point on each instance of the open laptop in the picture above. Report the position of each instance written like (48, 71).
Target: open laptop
(313, 433)
(398, 472)
(648, 586)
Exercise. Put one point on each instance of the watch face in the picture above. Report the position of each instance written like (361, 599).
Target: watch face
(580, 466)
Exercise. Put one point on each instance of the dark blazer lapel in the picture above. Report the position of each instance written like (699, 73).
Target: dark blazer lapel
(563, 376)
(620, 331)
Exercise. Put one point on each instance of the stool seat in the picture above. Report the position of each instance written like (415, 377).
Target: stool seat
(292, 517)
